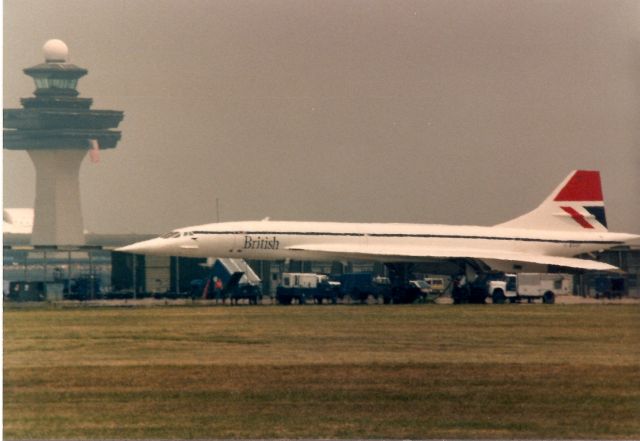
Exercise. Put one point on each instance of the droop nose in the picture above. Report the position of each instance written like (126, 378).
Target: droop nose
(144, 247)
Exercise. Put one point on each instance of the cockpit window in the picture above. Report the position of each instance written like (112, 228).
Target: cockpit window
(171, 234)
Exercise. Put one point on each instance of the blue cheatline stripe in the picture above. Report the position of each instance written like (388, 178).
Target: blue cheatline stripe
(405, 235)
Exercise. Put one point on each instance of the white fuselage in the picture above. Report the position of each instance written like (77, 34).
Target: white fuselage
(267, 240)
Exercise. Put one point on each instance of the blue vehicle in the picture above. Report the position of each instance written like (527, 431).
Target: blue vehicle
(610, 287)
(357, 287)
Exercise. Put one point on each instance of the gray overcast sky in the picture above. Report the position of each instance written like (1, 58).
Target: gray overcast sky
(465, 112)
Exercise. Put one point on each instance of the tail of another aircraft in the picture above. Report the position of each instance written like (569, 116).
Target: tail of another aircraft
(575, 205)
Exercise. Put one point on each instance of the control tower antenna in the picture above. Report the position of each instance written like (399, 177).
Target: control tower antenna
(57, 128)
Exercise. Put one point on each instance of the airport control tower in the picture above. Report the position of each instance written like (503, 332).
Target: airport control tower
(57, 128)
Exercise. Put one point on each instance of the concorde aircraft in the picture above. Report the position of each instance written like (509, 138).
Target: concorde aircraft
(571, 221)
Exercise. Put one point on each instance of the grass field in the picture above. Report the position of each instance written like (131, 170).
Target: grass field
(417, 371)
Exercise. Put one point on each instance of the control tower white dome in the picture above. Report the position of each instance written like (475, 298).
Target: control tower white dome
(55, 51)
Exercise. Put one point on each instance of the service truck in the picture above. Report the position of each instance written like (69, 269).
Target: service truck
(437, 285)
(610, 286)
(530, 286)
(358, 287)
(306, 286)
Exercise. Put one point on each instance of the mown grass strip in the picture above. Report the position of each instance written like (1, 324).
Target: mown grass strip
(440, 400)
(331, 372)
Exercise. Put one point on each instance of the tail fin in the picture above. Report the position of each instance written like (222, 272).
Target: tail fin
(575, 205)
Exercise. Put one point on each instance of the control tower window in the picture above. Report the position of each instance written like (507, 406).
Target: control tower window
(60, 83)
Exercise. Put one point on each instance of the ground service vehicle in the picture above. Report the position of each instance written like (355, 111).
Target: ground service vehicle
(426, 293)
(27, 291)
(304, 287)
(357, 287)
(235, 290)
(229, 279)
(82, 288)
(474, 291)
(85, 287)
(436, 284)
(530, 286)
(405, 294)
(609, 286)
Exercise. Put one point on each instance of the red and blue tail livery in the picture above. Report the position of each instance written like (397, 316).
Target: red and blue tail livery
(577, 204)
(584, 188)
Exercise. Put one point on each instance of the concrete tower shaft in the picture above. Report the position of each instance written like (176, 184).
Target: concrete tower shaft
(58, 213)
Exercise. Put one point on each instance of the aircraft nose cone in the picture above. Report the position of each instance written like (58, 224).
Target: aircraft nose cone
(136, 248)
